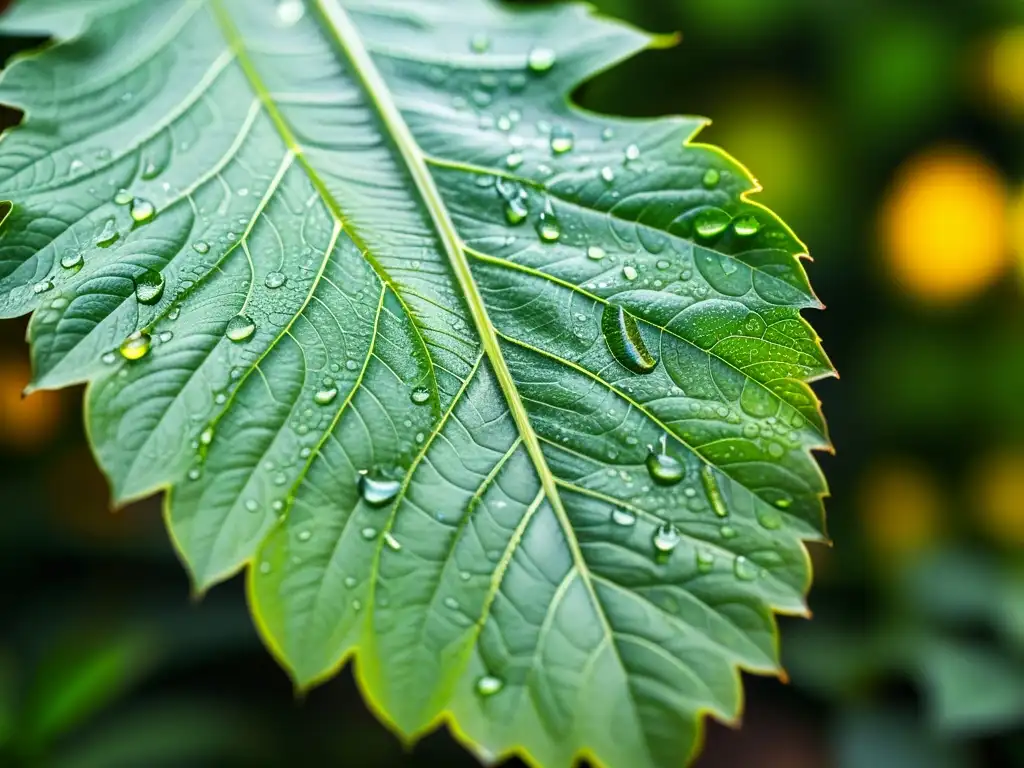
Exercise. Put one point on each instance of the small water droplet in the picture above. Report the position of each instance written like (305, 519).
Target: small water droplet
(251, 505)
(149, 287)
(744, 569)
(629, 272)
(727, 532)
(452, 603)
(239, 328)
(123, 197)
(206, 436)
(623, 517)
(632, 152)
(265, 568)
(289, 12)
(108, 235)
(625, 342)
(42, 286)
(275, 280)
(608, 174)
(305, 535)
(514, 160)
(705, 560)
(350, 582)
(368, 533)
(480, 43)
(562, 140)
(746, 226)
(711, 222)
(136, 346)
(711, 178)
(420, 395)
(378, 493)
(142, 210)
(73, 260)
(109, 358)
(666, 539)
(391, 541)
(548, 226)
(201, 247)
(488, 685)
(541, 59)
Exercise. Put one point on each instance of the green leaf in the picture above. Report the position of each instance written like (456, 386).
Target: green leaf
(336, 275)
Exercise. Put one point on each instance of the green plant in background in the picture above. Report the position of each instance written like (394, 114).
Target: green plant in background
(510, 397)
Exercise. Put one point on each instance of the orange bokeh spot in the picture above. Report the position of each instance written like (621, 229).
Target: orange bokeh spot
(26, 424)
(944, 230)
(901, 508)
(997, 498)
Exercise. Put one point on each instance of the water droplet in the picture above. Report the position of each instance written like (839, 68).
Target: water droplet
(378, 493)
(149, 287)
(142, 210)
(368, 533)
(711, 222)
(136, 346)
(632, 152)
(562, 140)
(251, 505)
(623, 517)
(666, 539)
(239, 328)
(746, 226)
(548, 226)
(488, 685)
(109, 358)
(727, 532)
(206, 436)
(326, 395)
(265, 568)
(514, 160)
(784, 502)
(622, 334)
(665, 469)
(629, 272)
(608, 174)
(73, 260)
(711, 178)
(123, 197)
(541, 59)
(289, 12)
(705, 560)
(391, 541)
(350, 582)
(108, 235)
(201, 247)
(42, 286)
(420, 395)
(275, 280)
(305, 535)
(452, 603)
(744, 569)
(596, 253)
(480, 43)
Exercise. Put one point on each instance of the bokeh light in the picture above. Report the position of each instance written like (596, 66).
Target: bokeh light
(1002, 71)
(997, 496)
(901, 508)
(29, 423)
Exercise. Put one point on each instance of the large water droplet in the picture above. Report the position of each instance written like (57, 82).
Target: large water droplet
(149, 287)
(142, 210)
(108, 235)
(711, 222)
(623, 517)
(136, 346)
(707, 479)
(541, 59)
(240, 327)
(548, 226)
(73, 260)
(624, 340)
(420, 395)
(596, 253)
(275, 280)
(378, 493)
(562, 140)
(665, 469)
(746, 226)
(488, 685)
(666, 539)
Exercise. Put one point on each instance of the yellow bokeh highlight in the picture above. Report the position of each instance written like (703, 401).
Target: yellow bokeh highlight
(1017, 228)
(901, 508)
(943, 226)
(997, 497)
(1002, 71)
(26, 424)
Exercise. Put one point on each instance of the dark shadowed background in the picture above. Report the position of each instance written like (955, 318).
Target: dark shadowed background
(890, 135)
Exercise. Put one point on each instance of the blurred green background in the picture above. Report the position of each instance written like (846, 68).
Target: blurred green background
(890, 135)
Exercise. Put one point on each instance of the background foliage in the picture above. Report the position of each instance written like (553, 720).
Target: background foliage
(888, 134)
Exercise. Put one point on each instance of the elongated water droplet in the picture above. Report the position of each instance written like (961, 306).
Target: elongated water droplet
(239, 328)
(420, 395)
(391, 541)
(108, 235)
(625, 342)
(142, 210)
(275, 280)
(746, 226)
(714, 493)
(548, 226)
(326, 395)
(73, 260)
(149, 287)
(711, 222)
(541, 59)
(623, 517)
(666, 539)
(136, 346)
(488, 685)
(378, 493)
(744, 569)
(562, 140)
(42, 286)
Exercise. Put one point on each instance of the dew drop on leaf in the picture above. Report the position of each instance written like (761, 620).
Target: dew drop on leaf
(275, 280)
(480, 43)
(73, 260)
(541, 59)
(142, 210)
(705, 560)
(149, 287)
(289, 12)
(622, 334)
(108, 235)
(744, 569)
(548, 226)
(326, 395)
(727, 532)
(664, 469)
(595, 252)
(378, 493)
(629, 272)
(632, 152)
(711, 178)
(562, 140)
(201, 247)
(42, 286)
(368, 533)
(391, 541)
(239, 328)
(666, 539)
(711, 222)
(608, 174)
(623, 517)
(514, 160)
(746, 226)
(136, 346)
(488, 685)
(420, 395)
(123, 197)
